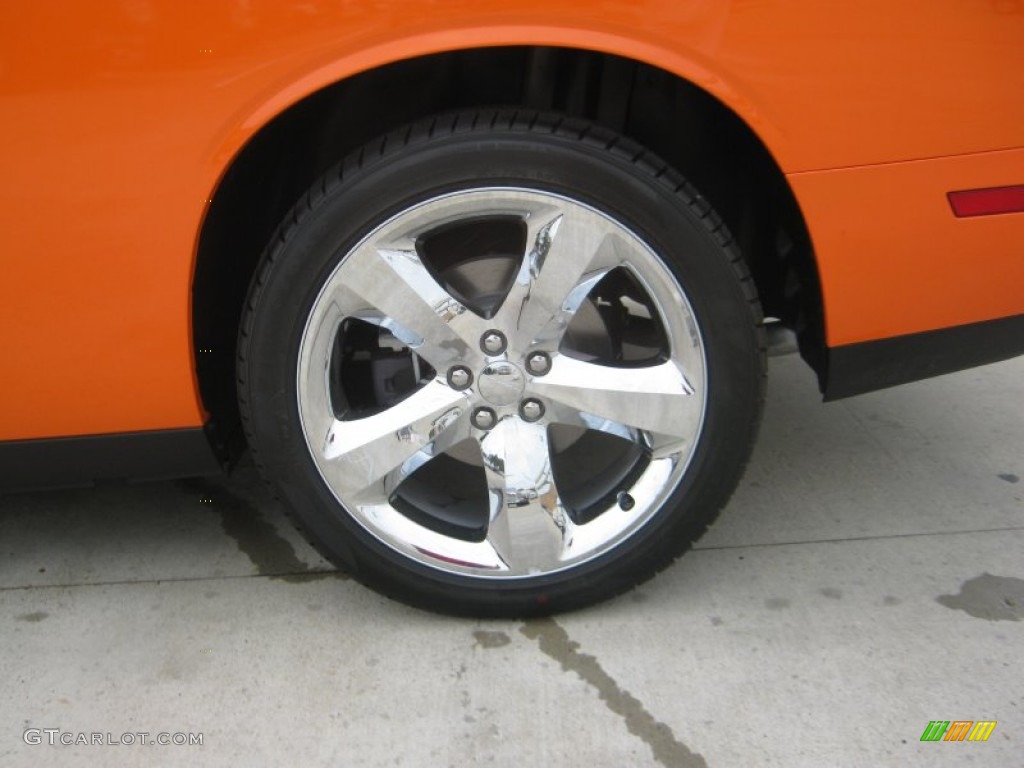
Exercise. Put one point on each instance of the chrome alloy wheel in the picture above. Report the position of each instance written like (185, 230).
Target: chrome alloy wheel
(501, 383)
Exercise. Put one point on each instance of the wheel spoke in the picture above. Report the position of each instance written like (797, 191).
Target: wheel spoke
(656, 399)
(567, 253)
(457, 430)
(529, 528)
(367, 458)
(392, 288)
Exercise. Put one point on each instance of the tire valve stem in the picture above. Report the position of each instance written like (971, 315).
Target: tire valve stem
(626, 502)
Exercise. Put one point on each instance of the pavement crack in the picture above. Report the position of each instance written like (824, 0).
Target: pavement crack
(555, 642)
(846, 539)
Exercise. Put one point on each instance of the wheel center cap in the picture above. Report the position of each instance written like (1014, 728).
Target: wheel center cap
(501, 383)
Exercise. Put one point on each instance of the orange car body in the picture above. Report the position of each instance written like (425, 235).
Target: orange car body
(121, 119)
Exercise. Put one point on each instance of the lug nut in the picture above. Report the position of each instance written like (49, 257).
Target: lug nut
(531, 409)
(484, 418)
(493, 342)
(459, 377)
(538, 363)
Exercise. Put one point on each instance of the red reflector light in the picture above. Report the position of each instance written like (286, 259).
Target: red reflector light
(986, 202)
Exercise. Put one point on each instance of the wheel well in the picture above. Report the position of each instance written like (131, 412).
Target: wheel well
(689, 128)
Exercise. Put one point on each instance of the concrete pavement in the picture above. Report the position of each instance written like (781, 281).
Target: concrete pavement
(867, 578)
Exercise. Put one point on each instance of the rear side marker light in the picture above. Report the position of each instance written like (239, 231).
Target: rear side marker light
(987, 202)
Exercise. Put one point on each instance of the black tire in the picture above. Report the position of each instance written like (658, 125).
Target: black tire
(456, 157)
